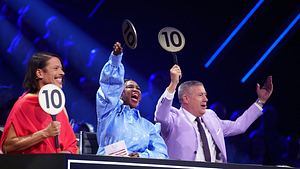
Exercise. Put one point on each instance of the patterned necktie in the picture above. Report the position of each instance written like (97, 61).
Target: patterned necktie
(204, 141)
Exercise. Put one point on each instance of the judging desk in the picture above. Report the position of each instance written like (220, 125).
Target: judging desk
(69, 161)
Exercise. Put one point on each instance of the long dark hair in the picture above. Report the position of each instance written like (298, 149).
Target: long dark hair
(38, 61)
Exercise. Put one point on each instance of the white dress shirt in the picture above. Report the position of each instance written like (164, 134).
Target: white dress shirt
(211, 144)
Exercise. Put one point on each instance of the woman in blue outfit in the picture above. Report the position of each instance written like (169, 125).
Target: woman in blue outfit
(118, 118)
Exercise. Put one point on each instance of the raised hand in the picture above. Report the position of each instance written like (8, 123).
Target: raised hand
(266, 90)
(117, 48)
(175, 74)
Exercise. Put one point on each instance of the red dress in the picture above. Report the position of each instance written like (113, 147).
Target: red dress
(28, 117)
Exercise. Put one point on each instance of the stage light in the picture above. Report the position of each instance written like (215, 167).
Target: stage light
(266, 54)
(234, 32)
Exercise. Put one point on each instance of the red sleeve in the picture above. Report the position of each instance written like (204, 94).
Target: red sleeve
(67, 136)
(7, 126)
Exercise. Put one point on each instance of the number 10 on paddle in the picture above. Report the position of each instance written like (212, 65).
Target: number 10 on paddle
(52, 100)
(172, 40)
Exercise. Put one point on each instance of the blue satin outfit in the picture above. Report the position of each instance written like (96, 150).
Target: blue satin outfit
(117, 121)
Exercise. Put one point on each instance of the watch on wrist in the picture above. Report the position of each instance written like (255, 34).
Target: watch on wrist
(260, 103)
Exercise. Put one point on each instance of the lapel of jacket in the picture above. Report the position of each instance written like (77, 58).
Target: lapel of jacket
(188, 121)
(215, 134)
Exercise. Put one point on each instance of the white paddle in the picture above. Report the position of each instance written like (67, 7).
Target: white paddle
(172, 40)
(52, 100)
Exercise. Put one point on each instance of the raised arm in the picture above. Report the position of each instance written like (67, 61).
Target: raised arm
(164, 104)
(241, 124)
(111, 83)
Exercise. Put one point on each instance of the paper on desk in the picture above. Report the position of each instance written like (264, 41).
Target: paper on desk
(116, 149)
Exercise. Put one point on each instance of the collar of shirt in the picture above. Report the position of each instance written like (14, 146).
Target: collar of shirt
(212, 146)
(132, 112)
(189, 115)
